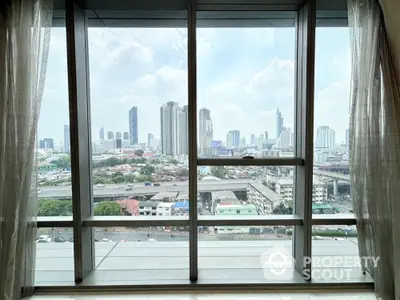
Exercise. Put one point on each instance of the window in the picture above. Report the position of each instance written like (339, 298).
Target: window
(199, 144)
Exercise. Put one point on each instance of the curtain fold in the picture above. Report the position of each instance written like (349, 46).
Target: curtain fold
(375, 145)
(24, 43)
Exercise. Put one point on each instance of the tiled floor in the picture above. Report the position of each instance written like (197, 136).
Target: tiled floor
(216, 296)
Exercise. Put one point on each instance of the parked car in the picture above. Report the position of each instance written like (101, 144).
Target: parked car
(45, 238)
(157, 184)
(60, 239)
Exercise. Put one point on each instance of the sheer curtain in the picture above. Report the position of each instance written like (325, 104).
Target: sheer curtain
(24, 43)
(375, 145)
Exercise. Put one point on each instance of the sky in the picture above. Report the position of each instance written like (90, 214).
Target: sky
(243, 76)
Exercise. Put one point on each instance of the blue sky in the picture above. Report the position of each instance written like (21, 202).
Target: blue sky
(244, 74)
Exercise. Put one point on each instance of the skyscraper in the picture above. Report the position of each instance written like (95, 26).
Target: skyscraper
(150, 138)
(125, 135)
(279, 123)
(233, 139)
(47, 143)
(101, 134)
(252, 139)
(325, 138)
(169, 117)
(133, 125)
(110, 135)
(67, 141)
(183, 130)
(266, 135)
(205, 132)
(118, 135)
(347, 137)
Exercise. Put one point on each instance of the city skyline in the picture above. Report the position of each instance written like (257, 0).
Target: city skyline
(243, 95)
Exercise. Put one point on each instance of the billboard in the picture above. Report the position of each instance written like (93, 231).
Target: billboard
(216, 144)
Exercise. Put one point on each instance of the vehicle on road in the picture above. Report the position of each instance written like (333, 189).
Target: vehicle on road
(106, 240)
(100, 185)
(71, 239)
(152, 240)
(128, 188)
(60, 239)
(147, 183)
(45, 238)
(157, 184)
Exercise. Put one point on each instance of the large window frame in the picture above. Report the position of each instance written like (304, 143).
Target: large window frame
(79, 15)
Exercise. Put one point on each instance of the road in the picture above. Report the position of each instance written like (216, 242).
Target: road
(117, 190)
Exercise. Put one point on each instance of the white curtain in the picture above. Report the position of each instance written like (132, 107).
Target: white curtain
(24, 43)
(375, 145)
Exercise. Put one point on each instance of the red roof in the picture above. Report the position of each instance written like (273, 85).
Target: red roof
(130, 205)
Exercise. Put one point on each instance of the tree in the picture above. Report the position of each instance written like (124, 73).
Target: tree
(139, 152)
(62, 162)
(111, 162)
(173, 161)
(282, 210)
(219, 171)
(147, 170)
(49, 207)
(107, 208)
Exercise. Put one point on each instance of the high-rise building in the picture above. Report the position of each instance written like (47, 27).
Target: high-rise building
(266, 136)
(169, 114)
(67, 141)
(183, 130)
(243, 142)
(205, 132)
(150, 138)
(133, 125)
(285, 140)
(252, 139)
(110, 135)
(46, 143)
(125, 135)
(279, 123)
(325, 138)
(101, 134)
(118, 135)
(347, 137)
(233, 139)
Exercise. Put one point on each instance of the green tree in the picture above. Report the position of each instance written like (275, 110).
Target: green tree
(282, 210)
(62, 162)
(49, 207)
(139, 152)
(112, 161)
(219, 171)
(147, 170)
(173, 161)
(107, 208)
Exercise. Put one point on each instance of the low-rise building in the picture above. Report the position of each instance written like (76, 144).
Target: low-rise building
(164, 208)
(227, 209)
(262, 197)
(147, 208)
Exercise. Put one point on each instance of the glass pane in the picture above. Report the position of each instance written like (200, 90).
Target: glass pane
(245, 191)
(246, 254)
(54, 167)
(138, 85)
(54, 257)
(146, 255)
(331, 132)
(245, 90)
(335, 254)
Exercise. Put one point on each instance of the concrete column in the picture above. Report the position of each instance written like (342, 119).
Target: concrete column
(335, 187)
